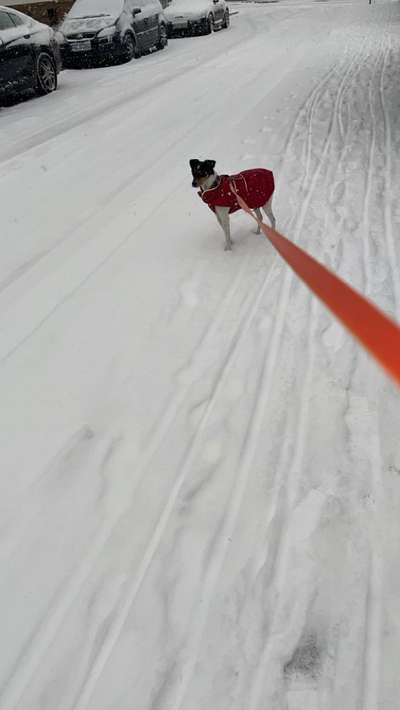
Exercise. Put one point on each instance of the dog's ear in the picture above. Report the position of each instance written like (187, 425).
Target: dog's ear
(193, 162)
(210, 164)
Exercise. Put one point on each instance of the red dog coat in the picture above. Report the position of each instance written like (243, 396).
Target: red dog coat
(255, 187)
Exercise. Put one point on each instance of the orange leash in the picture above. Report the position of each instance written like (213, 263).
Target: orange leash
(379, 334)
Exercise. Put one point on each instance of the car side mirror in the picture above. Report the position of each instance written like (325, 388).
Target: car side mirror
(136, 11)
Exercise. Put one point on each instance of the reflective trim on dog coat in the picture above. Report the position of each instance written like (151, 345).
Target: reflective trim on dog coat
(255, 187)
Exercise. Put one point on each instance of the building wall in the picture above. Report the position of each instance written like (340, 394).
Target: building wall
(49, 11)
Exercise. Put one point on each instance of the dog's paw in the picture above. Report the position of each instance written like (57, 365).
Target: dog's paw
(228, 246)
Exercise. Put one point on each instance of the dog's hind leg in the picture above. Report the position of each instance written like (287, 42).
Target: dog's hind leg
(222, 214)
(267, 208)
(259, 217)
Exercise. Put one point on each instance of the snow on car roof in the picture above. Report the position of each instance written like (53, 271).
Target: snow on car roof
(92, 8)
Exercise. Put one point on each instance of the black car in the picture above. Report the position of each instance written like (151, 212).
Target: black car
(105, 30)
(29, 54)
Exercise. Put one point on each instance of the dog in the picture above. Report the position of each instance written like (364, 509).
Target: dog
(256, 187)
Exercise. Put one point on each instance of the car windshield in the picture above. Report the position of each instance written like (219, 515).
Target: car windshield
(188, 5)
(96, 8)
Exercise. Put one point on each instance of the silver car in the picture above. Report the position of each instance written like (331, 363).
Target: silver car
(104, 30)
(196, 16)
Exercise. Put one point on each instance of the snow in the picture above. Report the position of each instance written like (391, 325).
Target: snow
(84, 8)
(200, 469)
(188, 7)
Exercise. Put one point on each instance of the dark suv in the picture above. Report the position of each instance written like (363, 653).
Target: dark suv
(105, 30)
(29, 54)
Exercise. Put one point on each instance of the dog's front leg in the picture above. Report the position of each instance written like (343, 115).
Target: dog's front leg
(222, 214)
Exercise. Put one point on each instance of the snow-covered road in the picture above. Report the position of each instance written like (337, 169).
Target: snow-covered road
(200, 471)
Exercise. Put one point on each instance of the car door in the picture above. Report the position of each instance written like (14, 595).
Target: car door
(149, 17)
(16, 53)
(218, 11)
(155, 10)
(134, 10)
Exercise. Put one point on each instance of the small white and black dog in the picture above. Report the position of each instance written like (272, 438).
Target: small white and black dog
(255, 187)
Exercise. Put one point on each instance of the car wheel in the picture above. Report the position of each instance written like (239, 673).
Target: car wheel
(163, 37)
(129, 48)
(46, 74)
(227, 20)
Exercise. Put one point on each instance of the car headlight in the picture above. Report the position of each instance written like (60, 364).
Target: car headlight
(107, 32)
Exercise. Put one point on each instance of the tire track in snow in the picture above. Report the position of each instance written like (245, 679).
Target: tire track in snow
(374, 611)
(391, 248)
(367, 191)
(373, 621)
(305, 110)
(302, 420)
(292, 480)
(370, 651)
(318, 98)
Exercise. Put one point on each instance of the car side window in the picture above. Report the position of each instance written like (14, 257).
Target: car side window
(5, 21)
(17, 20)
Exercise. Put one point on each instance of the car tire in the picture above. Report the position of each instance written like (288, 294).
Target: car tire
(129, 48)
(227, 21)
(163, 37)
(46, 74)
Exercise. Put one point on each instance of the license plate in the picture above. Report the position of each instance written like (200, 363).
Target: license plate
(84, 46)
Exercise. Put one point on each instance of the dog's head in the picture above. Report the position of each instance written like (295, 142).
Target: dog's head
(201, 169)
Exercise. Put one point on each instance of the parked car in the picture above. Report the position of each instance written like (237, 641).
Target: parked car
(105, 30)
(29, 54)
(196, 16)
